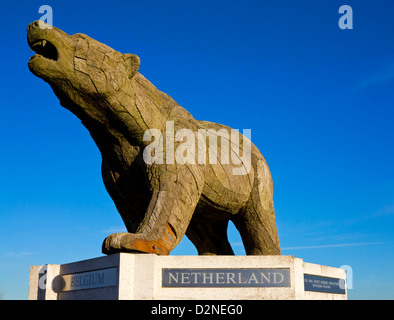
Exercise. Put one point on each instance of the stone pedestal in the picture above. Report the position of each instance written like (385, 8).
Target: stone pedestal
(126, 276)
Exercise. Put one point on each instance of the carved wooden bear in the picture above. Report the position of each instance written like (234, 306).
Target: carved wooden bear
(161, 194)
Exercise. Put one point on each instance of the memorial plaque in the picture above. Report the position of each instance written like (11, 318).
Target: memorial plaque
(132, 276)
(225, 278)
(90, 280)
(324, 284)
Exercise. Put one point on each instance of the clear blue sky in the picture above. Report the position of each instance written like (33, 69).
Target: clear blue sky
(318, 99)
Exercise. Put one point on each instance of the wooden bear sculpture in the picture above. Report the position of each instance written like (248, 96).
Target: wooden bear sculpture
(167, 173)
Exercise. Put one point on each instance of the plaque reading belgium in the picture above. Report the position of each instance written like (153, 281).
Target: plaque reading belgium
(90, 280)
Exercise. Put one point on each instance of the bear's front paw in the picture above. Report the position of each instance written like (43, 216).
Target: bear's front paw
(117, 242)
(130, 242)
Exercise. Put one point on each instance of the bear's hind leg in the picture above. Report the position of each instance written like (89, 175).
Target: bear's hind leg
(258, 230)
(256, 220)
(210, 238)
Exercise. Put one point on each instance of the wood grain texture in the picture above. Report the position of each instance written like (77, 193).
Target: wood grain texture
(158, 202)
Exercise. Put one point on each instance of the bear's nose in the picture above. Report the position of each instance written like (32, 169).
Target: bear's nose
(38, 24)
(35, 24)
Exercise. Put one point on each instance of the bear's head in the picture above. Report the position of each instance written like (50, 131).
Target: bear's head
(78, 68)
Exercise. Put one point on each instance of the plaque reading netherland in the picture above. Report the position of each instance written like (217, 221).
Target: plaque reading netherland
(225, 278)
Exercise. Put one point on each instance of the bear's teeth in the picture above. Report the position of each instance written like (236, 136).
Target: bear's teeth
(37, 44)
(40, 43)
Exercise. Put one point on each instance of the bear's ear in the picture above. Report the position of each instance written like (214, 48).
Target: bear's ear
(132, 63)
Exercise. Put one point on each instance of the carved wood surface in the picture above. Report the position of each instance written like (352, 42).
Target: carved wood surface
(162, 201)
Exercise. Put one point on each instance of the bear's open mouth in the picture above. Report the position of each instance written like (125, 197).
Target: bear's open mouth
(45, 49)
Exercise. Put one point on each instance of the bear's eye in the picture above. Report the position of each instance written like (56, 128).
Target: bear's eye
(80, 35)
